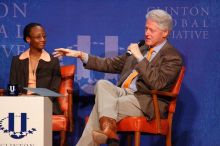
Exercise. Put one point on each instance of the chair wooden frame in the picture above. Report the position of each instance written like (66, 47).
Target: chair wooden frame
(157, 126)
(2, 92)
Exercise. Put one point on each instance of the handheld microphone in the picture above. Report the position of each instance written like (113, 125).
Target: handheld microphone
(140, 43)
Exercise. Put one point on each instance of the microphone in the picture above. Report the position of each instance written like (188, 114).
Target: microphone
(140, 43)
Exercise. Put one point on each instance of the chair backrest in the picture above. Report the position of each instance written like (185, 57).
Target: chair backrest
(176, 89)
(177, 86)
(67, 78)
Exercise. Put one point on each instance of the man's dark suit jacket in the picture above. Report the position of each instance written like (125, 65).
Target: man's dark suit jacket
(47, 76)
(160, 74)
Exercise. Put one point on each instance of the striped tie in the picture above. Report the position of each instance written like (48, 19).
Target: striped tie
(129, 79)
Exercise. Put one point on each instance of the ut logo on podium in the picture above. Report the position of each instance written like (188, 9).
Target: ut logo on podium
(7, 125)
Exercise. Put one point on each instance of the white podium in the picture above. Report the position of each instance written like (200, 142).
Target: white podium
(25, 120)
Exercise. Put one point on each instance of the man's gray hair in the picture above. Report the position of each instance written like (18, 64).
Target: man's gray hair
(162, 18)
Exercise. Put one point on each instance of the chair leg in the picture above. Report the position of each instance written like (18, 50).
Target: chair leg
(63, 138)
(129, 140)
(168, 139)
(137, 140)
(169, 134)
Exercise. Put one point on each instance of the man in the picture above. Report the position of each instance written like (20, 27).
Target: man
(155, 65)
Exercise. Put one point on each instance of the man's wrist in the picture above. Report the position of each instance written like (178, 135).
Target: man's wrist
(83, 56)
(80, 56)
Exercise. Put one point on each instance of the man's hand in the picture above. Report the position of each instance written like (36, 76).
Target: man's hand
(60, 52)
(133, 47)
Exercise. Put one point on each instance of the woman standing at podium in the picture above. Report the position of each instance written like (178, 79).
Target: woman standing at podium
(35, 68)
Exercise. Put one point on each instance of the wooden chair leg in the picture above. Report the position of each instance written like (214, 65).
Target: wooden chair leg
(137, 140)
(129, 140)
(168, 138)
(63, 138)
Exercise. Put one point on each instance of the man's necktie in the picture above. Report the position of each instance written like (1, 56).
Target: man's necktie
(129, 79)
(149, 54)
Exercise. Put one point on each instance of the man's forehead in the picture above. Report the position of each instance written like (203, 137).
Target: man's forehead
(151, 23)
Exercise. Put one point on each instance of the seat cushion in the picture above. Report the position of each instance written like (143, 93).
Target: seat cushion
(59, 122)
(142, 125)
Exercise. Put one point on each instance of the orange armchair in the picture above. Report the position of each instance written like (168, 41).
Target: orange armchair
(157, 126)
(64, 123)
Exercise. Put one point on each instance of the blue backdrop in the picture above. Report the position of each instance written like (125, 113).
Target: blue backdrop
(106, 28)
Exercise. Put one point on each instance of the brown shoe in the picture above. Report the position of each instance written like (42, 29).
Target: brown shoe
(108, 131)
(113, 142)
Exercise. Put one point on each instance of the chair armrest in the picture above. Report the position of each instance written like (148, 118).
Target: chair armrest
(154, 94)
(163, 93)
(70, 108)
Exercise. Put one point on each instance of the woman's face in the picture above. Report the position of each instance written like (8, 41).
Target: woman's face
(37, 38)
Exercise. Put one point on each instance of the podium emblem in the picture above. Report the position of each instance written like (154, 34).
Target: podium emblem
(10, 123)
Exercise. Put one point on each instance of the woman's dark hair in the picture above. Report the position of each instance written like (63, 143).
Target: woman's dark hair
(27, 29)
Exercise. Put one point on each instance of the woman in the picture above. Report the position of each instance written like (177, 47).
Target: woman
(35, 68)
